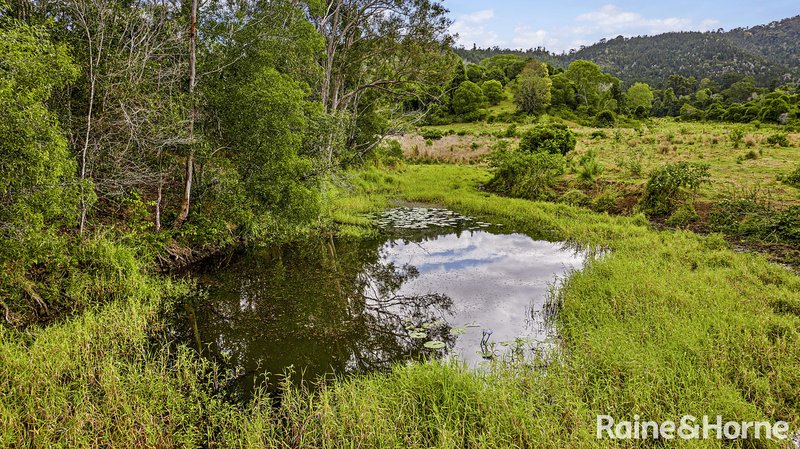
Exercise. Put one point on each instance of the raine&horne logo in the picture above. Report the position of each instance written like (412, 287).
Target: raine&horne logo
(691, 428)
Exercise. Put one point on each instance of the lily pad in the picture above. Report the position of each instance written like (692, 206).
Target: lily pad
(434, 344)
(418, 335)
(458, 331)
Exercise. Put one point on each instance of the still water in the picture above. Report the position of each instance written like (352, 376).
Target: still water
(434, 284)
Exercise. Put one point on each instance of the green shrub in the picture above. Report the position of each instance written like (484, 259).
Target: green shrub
(793, 178)
(736, 135)
(599, 134)
(606, 201)
(749, 218)
(493, 91)
(511, 131)
(431, 133)
(786, 225)
(668, 186)
(589, 168)
(683, 215)
(553, 139)
(523, 174)
(605, 119)
(778, 139)
(467, 99)
(641, 112)
(575, 198)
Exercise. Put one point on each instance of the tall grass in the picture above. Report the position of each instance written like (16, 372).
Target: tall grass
(665, 324)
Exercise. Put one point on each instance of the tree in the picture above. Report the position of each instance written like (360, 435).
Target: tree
(638, 95)
(37, 173)
(270, 135)
(532, 92)
(476, 73)
(682, 85)
(586, 78)
(511, 65)
(563, 92)
(377, 54)
(183, 214)
(493, 91)
(468, 98)
(497, 74)
(127, 114)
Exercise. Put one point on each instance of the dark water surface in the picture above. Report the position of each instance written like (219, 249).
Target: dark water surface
(434, 284)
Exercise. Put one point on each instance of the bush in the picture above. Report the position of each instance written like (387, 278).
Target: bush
(749, 218)
(589, 168)
(511, 131)
(523, 174)
(641, 112)
(575, 198)
(553, 139)
(736, 136)
(606, 201)
(493, 91)
(778, 139)
(468, 98)
(599, 134)
(669, 184)
(431, 134)
(389, 153)
(793, 178)
(683, 215)
(605, 119)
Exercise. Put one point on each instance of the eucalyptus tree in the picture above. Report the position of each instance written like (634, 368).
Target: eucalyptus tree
(377, 54)
(639, 95)
(533, 88)
(594, 89)
(126, 115)
(263, 125)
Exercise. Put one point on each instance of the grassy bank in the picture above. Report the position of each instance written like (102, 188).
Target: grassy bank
(669, 323)
(666, 324)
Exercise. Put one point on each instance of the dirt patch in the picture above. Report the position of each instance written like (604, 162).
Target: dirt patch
(453, 148)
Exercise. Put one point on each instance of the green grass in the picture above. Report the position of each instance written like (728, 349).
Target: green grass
(664, 324)
(661, 141)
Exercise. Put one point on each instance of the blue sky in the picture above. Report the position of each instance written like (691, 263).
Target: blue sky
(565, 24)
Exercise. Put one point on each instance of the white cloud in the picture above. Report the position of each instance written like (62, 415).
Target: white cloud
(612, 19)
(471, 29)
(477, 16)
(527, 37)
(608, 21)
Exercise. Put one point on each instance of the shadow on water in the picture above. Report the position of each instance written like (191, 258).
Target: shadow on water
(435, 284)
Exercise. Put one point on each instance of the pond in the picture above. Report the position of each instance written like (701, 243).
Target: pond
(434, 284)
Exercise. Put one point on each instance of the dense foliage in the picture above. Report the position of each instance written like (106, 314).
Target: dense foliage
(671, 185)
(524, 174)
(553, 139)
(767, 52)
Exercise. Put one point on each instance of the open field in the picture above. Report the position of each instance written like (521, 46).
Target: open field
(754, 166)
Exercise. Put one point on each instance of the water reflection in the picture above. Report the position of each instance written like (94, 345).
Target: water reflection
(326, 307)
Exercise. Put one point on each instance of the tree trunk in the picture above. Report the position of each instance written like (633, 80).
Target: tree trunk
(85, 150)
(189, 171)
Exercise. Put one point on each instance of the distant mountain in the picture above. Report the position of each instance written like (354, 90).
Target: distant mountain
(778, 41)
(652, 59)
(770, 53)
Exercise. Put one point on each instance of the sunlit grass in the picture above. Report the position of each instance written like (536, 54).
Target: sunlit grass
(664, 324)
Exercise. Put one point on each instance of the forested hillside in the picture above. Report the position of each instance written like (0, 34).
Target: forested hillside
(777, 41)
(769, 53)
(689, 54)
